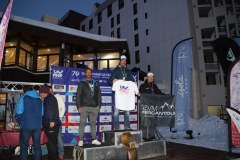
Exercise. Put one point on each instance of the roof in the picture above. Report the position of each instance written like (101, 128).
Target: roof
(64, 34)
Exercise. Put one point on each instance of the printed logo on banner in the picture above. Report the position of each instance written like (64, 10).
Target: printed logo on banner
(57, 74)
(72, 109)
(59, 87)
(73, 119)
(72, 99)
(105, 118)
(106, 99)
(63, 129)
(72, 88)
(75, 76)
(133, 126)
(133, 117)
(103, 128)
(73, 129)
(105, 89)
(106, 109)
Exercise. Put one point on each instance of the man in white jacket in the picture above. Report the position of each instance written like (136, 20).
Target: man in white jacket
(62, 109)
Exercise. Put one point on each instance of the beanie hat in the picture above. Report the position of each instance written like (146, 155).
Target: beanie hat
(44, 89)
(150, 74)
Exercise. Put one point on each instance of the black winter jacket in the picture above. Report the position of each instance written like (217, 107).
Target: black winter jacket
(86, 96)
(149, 88)
(51, 113)
(118, 72)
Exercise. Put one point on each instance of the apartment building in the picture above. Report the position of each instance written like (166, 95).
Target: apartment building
(152, 29)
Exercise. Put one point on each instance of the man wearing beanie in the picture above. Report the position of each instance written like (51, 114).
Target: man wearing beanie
(51, 121)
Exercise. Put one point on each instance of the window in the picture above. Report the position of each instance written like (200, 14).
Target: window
(99, 30)
(109, 10)
(120, 4)
(148, 49)
(90, 23)
(137, 57)
(99, 17)
(147, 32)
(136, 38)
(118, 19)
(149, 68)
(135, 24)
(83, 28)
(146, 15)
(211, 79)
(134, 8)
(112, 22)
(10, 56)
(112, 34)
(118, 33)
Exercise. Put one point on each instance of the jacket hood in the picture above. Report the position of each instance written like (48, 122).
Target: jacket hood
(33, 94)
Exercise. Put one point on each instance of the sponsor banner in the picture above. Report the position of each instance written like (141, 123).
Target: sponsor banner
(234, 90)
(181, 83)
(133, 126)
(3, 28)
(65, 82)
(157, 110)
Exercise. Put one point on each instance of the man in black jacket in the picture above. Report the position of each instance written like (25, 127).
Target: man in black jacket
(148, 87)
(51, 121)
(88, 103)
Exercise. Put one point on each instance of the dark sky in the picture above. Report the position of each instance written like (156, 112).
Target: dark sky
(34, 9)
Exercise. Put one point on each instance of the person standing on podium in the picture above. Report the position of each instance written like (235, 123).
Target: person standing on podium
(121, 74)
(88, 104)
(148, 87)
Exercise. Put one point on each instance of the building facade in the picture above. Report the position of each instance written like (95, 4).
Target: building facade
(152, 29)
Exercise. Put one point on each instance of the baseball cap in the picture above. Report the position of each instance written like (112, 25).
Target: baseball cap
(150, 74)
(123, 57)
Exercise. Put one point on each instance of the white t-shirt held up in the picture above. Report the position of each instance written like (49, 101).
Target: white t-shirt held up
(125, 94)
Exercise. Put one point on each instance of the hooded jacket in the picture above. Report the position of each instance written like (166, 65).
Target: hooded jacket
(87, 96)
(29, 110)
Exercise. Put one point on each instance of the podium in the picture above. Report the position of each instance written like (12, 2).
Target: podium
(112, 149)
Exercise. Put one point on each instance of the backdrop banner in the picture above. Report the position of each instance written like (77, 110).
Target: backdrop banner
(64, 81)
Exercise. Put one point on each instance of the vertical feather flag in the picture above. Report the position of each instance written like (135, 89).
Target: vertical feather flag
(181, 82)
(3, 28)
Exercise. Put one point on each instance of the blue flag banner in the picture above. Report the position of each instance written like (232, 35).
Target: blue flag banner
(65, 82)
(181, 83)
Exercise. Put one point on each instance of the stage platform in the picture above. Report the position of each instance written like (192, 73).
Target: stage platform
(145, 150)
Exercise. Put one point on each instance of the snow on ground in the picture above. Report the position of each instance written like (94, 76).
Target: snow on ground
(209, 132)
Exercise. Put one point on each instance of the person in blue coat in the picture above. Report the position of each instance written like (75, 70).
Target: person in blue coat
(29, 112)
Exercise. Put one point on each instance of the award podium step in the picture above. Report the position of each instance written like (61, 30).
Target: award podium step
(145, 150)
(113, 137)
(111, 148)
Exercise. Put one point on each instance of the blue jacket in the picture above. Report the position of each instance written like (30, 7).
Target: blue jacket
(29, 110)
(51, 113)
(119, 72)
